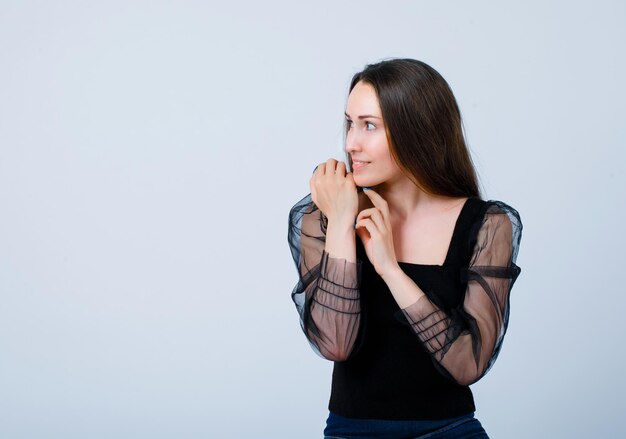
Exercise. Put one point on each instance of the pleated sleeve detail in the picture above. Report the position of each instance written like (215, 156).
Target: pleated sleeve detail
(464, 342)
(327, 293)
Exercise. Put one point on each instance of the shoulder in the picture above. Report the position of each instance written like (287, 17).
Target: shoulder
(496, 222)
(499, 214)
(495, 207)
(479, 211)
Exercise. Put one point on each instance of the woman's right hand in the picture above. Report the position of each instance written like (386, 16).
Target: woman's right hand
(334, 192)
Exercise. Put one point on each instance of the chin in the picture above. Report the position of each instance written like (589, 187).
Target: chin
(366, 182)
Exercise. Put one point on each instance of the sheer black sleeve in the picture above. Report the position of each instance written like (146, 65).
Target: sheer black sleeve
(327, 293)
(465, 342)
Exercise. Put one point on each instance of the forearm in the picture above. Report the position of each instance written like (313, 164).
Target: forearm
(334, 303)
(340, 239)
(404, 290)
(463, 340)
(433, 328)
(329, 269)
(335, 308)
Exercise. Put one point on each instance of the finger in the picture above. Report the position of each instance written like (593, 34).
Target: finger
(365, 213)
(350, 180)
(378, 201)
(363, 234)
(319, 169)
(340, 169)
(331, 165)
(378, 219)
(372, 212)
(375, 215)
(369, 225)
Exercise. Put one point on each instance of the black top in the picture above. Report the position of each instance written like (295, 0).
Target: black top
(417, 362)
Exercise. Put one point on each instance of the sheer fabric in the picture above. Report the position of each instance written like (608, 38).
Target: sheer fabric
(463, 342)
(327, 293)
(466, 341)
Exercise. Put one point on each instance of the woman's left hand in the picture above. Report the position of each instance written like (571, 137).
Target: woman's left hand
(374, 229)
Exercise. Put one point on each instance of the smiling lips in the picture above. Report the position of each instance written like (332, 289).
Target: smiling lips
(356, 165)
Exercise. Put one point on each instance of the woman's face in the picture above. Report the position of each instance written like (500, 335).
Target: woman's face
(366, 139)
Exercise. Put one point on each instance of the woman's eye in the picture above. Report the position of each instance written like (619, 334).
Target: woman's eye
(370, 126)
(349, 123)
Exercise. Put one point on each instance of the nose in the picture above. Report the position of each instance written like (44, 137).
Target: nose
(353, 142)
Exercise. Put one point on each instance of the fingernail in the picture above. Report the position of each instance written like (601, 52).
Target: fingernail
(315, 169)
(366, 188)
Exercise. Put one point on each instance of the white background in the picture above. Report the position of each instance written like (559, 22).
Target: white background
(150, 152)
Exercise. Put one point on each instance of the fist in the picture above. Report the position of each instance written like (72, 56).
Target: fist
(334, 192)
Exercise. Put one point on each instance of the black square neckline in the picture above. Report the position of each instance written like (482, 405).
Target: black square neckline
(457, 232)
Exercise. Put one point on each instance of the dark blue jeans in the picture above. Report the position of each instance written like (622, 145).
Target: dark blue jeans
(338, 427)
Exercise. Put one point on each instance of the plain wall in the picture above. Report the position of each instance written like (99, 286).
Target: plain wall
(149, 155)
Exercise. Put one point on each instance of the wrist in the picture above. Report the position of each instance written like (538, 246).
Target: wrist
(392, 274)
(340, 240)
(342, 222)
(404, 290)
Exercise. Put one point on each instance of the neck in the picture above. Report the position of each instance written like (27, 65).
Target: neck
(406, 199)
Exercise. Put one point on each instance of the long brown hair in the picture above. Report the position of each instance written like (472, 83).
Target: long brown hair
(423, 125)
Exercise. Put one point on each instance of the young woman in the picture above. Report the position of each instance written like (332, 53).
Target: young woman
(405, 272)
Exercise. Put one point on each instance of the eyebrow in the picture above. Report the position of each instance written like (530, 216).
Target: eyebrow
(364, 116)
